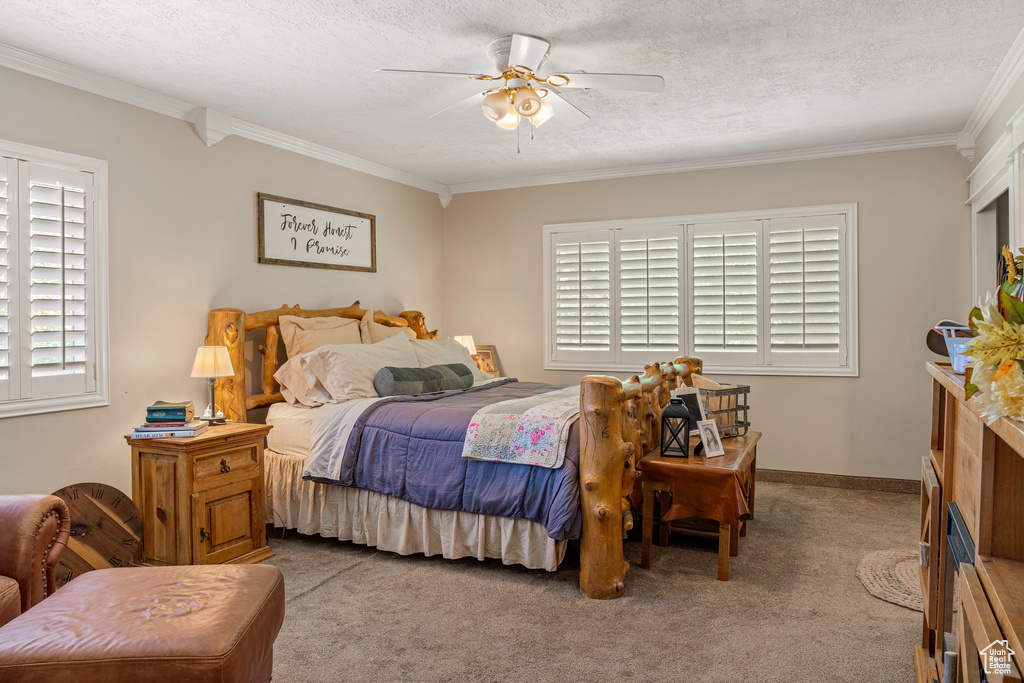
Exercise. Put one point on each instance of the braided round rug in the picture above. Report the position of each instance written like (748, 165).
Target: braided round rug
(893, 576)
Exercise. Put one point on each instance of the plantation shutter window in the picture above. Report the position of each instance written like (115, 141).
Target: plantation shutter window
(53, 348)
(771, 292)
(582, 277)
(648, 268)
(724, 291)
(806, 285)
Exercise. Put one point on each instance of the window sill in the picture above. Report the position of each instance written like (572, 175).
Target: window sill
(36, 406)
(709, 369)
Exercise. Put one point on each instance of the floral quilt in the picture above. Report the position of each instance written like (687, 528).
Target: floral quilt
(527, 431)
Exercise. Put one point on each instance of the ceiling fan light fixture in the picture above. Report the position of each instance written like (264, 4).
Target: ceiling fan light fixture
(527, 102)
(496, 106)
(543, 114)
(510, 121)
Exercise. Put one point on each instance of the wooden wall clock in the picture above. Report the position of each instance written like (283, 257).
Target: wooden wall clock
(106, 529)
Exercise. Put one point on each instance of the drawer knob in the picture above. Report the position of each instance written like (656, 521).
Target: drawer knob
(224, 466)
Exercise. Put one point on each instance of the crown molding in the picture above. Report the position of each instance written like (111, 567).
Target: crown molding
(62, 73)
(311, 149)
(892, 145)
(1008, 73)
(52, 70)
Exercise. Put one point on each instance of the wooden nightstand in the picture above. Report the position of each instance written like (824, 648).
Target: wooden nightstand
(201, 497)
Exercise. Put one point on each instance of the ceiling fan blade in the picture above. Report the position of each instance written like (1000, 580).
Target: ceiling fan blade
(429, 73)
(473, 100)
(564, 111)
(527, 51)
(638, 82)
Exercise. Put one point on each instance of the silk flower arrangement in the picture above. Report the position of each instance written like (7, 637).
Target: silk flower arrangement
(996, 378)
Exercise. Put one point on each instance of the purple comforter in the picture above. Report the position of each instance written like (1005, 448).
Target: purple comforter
(410, 447)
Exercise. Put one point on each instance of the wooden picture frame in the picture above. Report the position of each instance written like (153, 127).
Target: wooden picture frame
(487, 359)
(291, 232)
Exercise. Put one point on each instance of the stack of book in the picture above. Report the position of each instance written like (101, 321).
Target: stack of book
(164, 419)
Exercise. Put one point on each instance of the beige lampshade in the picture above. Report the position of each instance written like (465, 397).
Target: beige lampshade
(545, 113)
(510, 121)
(212, 361)
(496, 105)
(527, 102)
(467, 341)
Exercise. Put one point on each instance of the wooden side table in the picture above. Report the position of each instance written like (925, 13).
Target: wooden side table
(201, 497)
(720, 489)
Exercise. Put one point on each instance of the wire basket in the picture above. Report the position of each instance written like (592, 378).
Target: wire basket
(728, 407)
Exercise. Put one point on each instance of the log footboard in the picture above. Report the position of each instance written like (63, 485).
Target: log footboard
(621, 422)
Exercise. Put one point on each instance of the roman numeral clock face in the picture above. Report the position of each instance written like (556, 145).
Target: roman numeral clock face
(106, 530)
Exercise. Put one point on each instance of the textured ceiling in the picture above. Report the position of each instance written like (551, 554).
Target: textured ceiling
(741, 77)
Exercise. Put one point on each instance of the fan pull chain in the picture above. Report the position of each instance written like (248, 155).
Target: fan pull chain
(518, 150)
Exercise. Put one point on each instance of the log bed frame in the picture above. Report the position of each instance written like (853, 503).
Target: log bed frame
(620, 421)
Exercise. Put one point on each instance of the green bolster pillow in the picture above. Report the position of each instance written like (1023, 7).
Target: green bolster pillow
(408, 381)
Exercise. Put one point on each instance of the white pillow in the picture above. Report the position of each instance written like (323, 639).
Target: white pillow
(373, 332)
(339, 372)
(442, 351)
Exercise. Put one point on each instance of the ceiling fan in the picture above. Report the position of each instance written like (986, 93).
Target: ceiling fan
(519, 92)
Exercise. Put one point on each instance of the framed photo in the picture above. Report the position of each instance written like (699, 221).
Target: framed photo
(708, 430)
(692, 400)
(297, 233)
(486, 359)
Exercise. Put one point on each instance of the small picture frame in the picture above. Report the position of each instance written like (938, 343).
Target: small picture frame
(708, 430)
(487, 360)
(692, 400)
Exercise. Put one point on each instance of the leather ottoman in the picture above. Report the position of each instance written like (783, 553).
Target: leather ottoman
(188, 624)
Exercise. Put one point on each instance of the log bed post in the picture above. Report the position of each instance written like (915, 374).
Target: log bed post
(621, 422)
(227, 328)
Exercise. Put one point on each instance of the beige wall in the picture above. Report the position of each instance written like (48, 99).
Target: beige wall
(183, 241)
(914, 233)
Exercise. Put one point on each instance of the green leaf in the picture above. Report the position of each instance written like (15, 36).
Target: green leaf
(975, 315)
(970, 389)
(1014, 307)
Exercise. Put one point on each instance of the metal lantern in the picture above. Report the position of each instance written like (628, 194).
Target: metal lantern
(675, 429)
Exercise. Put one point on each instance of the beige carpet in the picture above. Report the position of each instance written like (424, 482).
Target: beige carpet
(793, 609)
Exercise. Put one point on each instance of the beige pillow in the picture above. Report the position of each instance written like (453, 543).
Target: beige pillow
(442, 351)
(373, 332)
(302, 335)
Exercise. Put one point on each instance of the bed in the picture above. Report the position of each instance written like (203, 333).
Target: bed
(619, 421)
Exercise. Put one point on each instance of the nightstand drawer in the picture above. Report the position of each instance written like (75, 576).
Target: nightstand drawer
(217, 467)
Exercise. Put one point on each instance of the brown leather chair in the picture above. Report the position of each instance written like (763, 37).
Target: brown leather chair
(33, 533)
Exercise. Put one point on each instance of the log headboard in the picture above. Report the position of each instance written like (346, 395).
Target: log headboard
(228, 327)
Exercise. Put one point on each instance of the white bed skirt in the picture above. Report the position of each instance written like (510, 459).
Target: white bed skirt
(395, 525)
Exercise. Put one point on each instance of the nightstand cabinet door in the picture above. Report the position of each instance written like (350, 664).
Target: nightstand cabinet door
(224, 522)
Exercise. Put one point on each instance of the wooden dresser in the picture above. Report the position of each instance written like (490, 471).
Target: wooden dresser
(979, 468)
(201, 497)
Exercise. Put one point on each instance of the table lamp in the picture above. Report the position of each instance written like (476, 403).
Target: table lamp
(467, 341)
(212, 362)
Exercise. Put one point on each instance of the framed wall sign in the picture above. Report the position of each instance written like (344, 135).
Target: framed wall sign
(296, 233)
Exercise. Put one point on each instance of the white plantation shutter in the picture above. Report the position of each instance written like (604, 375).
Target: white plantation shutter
(806, 283)
(53, 353)
(54, 280)
(582, 280)
(724, 291)
(8, 170)
(649, 293)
